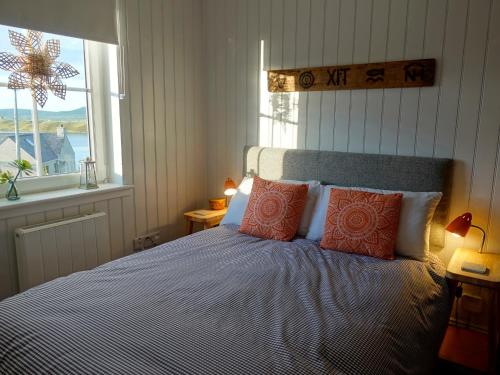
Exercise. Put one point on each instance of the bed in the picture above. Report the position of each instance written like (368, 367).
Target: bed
(222, 302)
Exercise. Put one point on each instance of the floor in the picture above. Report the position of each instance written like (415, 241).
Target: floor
(463, 352)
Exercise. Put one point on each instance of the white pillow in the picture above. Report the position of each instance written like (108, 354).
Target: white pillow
(417, 210)
(315, 231)
(239, 202)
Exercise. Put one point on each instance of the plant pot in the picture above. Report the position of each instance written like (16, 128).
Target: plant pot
(12, 194)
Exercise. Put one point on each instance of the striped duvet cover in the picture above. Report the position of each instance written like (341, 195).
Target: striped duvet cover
(220, 302)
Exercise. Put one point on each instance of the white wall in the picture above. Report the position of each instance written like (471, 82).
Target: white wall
(457, 118)
(163, 122)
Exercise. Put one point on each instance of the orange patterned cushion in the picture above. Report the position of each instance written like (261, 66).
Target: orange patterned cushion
(363, 223)
(274, 210)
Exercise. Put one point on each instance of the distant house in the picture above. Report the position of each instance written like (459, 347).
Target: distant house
(58, 155)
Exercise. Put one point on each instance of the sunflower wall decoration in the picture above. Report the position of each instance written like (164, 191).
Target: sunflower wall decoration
(36, 66)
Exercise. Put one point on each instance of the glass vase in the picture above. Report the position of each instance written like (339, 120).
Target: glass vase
(12, 194)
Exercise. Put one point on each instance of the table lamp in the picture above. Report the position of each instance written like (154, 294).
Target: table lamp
(460, 227)
(229, 189)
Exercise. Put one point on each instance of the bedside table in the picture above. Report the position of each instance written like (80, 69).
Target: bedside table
(490, 281)
(209, 218)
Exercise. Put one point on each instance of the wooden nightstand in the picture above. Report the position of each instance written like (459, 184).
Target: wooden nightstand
(209, 218)
(490, 281)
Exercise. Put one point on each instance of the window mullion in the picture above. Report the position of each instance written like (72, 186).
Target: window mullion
(16, 127)
(36, 139)
(78, 89)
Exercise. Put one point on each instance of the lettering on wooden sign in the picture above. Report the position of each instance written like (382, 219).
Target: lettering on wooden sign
(410, 73)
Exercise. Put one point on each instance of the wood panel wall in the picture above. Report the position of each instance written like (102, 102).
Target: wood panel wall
(163, 116)
(457, 118)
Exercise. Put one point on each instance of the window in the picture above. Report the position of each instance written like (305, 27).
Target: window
(64, 129)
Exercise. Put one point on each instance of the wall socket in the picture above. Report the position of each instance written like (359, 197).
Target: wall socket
(147, 241)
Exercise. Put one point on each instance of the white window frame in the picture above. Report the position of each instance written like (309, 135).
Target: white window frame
(98, 118)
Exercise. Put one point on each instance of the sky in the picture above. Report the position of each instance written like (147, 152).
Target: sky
(71, 53)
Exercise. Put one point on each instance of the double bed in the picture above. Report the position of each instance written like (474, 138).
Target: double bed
(222, 302)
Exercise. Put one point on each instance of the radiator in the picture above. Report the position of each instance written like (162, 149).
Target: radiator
(58, 248)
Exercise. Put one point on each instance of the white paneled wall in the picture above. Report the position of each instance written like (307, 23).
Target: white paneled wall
(457, 118)
(163, 116)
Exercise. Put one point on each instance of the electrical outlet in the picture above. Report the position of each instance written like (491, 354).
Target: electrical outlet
(147, 241)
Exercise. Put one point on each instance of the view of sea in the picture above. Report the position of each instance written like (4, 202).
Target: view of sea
(80, 143)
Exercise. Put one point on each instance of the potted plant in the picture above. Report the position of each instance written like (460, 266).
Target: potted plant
(6, 177)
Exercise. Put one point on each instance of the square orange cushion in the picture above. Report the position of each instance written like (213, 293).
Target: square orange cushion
(362, 223)
(274, 210)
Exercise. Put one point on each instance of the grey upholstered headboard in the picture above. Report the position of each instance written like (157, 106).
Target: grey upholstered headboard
(407, 173)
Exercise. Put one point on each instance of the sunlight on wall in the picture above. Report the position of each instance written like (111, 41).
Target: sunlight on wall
(278, 119)
(265, 123)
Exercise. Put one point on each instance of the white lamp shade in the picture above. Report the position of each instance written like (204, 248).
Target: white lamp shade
(231, 191)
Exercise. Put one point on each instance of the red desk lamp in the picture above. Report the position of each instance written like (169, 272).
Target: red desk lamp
(461, 225)
(229, 189)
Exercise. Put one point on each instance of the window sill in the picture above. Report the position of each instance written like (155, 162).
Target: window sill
(35, 185)
(60, 198)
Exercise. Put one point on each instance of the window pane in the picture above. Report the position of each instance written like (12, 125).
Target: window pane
(7, 129)
(10, 149)
(64, 135)
(5, 46)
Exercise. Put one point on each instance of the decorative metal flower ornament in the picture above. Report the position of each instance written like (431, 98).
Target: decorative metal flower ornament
(36, 66)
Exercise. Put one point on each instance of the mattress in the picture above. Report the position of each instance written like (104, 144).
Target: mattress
(221, 302)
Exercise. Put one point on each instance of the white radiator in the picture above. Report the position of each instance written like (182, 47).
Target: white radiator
(58, 248)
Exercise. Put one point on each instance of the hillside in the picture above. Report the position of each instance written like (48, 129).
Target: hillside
(79, 126)
(25, 114)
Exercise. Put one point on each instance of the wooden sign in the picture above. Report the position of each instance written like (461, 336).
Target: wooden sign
(410, 73)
